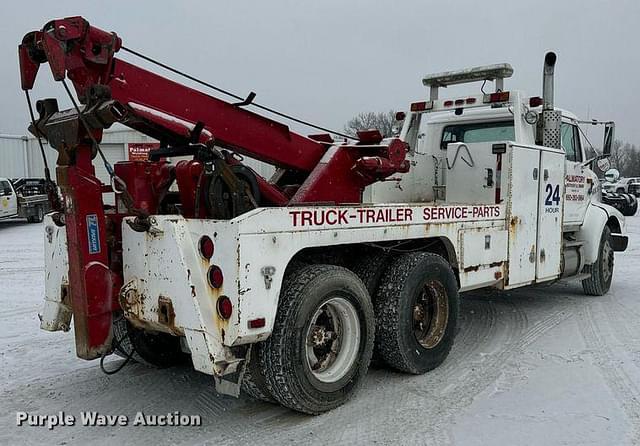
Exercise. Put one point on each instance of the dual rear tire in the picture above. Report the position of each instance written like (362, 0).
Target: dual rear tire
(327, 324)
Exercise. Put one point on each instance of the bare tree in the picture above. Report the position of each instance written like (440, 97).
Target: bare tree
(385, 122)
(626, 158)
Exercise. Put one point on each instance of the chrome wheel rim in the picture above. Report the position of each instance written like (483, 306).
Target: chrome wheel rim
(430, 314)
(333, 340)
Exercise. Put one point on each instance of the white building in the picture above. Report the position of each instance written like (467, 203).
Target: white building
(20, 155)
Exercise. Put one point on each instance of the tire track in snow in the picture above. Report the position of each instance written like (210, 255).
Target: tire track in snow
(623, 387)
(488, 370)
(482, 322)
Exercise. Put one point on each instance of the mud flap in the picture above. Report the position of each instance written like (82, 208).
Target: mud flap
(619, 242)
(230, 384)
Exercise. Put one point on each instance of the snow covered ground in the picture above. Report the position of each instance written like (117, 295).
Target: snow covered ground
(540, 366)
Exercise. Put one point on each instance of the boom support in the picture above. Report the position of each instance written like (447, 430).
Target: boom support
(187, 122)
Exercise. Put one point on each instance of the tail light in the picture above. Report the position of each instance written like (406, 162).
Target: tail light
(257, 323)
(501, 96)
(225, 307)
(206, 247)
(535, 101)
(215, 276)
(421, 106)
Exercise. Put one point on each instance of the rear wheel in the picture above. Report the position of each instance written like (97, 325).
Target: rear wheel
(153, 349)
(253, 381)
(322, 340)
(416, 312)
(601, 271)
(37, 217)
(370, 267)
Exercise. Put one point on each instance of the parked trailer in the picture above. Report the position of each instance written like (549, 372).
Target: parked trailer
(283, 287)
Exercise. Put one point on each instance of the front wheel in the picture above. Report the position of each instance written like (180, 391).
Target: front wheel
(631, 206)
(601, 271)
(322, 339)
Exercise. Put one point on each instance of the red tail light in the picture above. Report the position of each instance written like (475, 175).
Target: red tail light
(225, 307)
(206, 247)
(215, 276)
(535, 101)
(448, 103)
(421, 106)
(257, 323)
(501, 96)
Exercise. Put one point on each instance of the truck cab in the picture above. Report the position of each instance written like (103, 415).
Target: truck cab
(495, 148)
(8, 199)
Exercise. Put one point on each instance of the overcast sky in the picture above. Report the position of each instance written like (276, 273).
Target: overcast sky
(327, 60)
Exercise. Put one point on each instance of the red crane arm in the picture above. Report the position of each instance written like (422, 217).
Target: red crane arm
(154, 104)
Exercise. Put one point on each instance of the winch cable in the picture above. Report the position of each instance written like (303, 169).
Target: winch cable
(52, 191)
(245, 101)
(126, 197)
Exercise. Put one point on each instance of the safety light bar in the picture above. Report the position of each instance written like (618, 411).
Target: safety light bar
(497, 72)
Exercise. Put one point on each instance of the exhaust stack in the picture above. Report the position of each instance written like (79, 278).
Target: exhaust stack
(551, 118)
(547, 80)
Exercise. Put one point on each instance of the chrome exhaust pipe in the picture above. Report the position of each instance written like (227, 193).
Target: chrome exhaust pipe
(547, 80)
(551, 118)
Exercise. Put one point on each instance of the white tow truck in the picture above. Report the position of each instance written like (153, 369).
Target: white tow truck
(500, 194)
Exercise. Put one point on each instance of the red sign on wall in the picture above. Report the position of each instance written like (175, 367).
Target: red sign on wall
(139, 151)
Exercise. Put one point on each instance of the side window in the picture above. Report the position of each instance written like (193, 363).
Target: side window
(577, 143)
(5, 188)
(571, 142)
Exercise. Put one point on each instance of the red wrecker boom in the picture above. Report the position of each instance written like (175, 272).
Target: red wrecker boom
(187, 122)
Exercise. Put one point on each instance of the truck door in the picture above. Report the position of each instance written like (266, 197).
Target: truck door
(552, 178)
(8, 200)
(577, 189)
(523, 207)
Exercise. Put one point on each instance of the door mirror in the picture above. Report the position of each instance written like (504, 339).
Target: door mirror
(612, 175)
(609, 134)
(603, 164)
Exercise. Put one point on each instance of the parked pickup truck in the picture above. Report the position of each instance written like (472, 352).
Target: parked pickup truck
(23, 198)
(624, 185)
